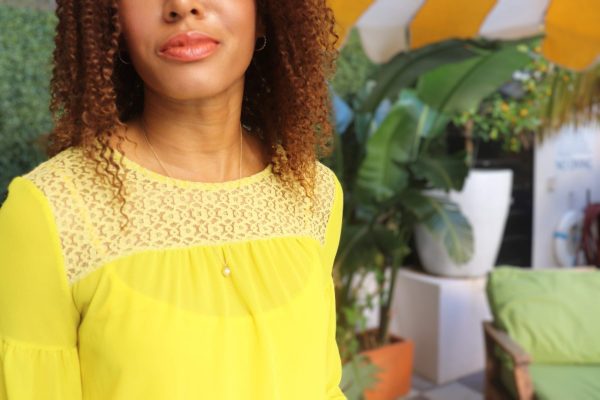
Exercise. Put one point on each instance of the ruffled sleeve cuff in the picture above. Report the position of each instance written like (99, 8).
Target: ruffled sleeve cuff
(32, 373)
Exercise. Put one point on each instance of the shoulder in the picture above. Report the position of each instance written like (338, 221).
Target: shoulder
(328, 200)
(64, 178)
(50, 175)
(36, 199)
(73, 194)
(324, 173)
(62, 181)
(327, 186)
(46, 182)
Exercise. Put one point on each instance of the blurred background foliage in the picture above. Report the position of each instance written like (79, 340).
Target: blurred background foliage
(353, 68)
(26, 43)
(32, 4)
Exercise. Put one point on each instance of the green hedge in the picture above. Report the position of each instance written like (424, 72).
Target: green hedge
(37, 4)
(26, 44)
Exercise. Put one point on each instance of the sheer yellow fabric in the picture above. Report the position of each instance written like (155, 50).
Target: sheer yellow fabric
(88, 312)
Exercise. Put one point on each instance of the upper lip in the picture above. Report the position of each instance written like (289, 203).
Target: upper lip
(189, 38)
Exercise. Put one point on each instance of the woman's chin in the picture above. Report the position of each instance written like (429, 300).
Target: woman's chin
(192, 91)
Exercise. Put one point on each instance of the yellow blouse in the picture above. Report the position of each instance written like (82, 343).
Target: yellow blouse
(219, 291)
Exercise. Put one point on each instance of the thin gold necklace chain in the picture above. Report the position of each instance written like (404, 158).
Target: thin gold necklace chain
(145, 131)
(226, 271)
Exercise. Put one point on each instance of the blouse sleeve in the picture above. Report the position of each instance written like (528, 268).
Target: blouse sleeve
(38, 318)
(332, 239)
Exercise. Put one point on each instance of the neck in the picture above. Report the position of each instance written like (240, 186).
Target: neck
(195, 140)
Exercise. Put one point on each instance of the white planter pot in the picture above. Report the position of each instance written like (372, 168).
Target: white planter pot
(485, 202)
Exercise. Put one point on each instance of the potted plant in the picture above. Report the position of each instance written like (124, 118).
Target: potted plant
(385, 159)
(396, 170)
(485, 198)
(507, 116)
(384, 202)
(510, 115)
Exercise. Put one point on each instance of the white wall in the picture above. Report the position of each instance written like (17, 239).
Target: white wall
(565, 167)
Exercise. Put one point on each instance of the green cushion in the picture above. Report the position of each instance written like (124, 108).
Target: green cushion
(563, 382)
(553, 314)
(558, 382)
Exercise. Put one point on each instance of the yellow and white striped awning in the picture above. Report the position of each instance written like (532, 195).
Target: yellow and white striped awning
(387, 27)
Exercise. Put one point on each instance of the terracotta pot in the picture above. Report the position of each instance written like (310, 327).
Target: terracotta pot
(395, 361)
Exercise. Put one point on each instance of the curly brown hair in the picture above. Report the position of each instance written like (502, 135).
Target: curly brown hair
(286, 99)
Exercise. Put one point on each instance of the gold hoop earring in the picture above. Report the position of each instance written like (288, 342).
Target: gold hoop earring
(121, 58)
(264, 43)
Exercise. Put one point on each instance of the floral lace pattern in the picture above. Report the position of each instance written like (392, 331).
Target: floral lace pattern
(170, 213)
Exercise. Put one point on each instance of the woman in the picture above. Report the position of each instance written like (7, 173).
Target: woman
(179, 242)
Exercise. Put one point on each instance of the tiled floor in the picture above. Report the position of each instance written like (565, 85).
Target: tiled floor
(467, 388)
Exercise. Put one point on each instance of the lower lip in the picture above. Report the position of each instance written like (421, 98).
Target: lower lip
(190, 53)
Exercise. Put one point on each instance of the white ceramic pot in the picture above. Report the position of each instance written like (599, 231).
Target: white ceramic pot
(485, 201)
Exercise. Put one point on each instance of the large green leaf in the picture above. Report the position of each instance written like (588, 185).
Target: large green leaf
(404, 69)
(390, 241)
(430, 123)
(412, 201)
(444, 220)
(378, 178)
(396, 141)
(448, 172)
(461, 86)
(356, 249)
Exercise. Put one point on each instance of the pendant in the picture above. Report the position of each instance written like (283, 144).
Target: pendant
(226, 271)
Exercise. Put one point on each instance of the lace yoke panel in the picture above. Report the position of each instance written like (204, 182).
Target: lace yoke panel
(166, 213)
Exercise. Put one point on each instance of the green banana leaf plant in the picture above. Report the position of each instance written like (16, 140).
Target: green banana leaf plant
(388, 155)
